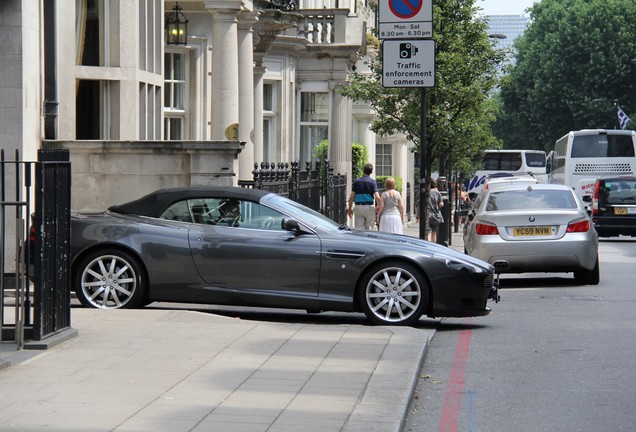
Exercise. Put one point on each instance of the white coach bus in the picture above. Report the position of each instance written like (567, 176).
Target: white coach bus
(580, 157)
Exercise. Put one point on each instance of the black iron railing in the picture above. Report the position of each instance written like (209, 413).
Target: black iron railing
(324, 193)
(38, 284)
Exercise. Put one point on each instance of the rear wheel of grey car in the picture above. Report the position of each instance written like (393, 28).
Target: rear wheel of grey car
(588, 277)
(110, 279)
(393, 293)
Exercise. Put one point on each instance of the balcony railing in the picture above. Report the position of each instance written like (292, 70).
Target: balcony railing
(329, 26)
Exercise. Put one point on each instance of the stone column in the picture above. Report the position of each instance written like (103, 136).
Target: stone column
(367, 136)
(340, 132)
(246, 92)
(225, 64)
(259, 72)
(400, 168)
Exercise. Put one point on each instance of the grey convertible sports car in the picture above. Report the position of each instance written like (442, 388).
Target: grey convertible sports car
(238, 246)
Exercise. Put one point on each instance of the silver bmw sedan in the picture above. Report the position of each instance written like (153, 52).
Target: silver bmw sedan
(534, 228)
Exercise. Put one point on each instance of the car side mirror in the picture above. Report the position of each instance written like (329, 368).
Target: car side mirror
(291, 225)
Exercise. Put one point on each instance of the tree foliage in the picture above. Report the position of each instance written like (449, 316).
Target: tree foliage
(359, 157)
(459, 112)
(573, 63)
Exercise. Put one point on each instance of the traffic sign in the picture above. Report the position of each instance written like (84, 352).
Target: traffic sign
(405, 8)
(402, 19)
(408, 63)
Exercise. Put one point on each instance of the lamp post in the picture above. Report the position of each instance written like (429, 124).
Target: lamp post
(176, 27)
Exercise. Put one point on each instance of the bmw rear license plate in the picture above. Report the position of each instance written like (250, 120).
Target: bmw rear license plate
(532, 231)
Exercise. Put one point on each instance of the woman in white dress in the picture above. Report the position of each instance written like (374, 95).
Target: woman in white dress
(391, 209)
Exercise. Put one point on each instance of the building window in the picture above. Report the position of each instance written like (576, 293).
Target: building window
(175, 95)
(270, 121)
(383, 159)
(90, 32)
(314, 122)
(92, 110)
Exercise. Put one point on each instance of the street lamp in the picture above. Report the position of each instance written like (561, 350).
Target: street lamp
(497, 36)
(176, 27)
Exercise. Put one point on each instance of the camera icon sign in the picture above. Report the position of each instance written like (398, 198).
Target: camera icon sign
(407, 50)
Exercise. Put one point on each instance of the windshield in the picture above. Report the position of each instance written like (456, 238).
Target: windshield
(602, 145)
(304, 214)
(530, 199)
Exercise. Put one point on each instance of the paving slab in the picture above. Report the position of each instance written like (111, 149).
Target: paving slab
(179, 370)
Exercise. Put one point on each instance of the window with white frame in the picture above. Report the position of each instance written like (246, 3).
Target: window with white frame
(175, 96)
(314, 122)
(383, 159)
(270, 120)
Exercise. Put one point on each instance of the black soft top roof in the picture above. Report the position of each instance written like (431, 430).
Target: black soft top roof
(156, 202)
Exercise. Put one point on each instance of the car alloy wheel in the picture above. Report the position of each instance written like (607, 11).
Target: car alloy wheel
(394, 293)
(110, 279)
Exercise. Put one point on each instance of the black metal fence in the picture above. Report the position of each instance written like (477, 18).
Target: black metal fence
(316, 187)
(41, 251)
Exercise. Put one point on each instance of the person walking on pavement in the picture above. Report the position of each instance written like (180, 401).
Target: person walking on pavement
(435, 217)
(391, 209)
(464, 203)
(363, 194)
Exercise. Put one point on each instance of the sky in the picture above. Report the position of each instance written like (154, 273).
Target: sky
(504, 7)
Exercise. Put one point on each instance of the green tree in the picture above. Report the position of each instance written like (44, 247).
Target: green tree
(573, 62)
(359, 156)
(459, 109)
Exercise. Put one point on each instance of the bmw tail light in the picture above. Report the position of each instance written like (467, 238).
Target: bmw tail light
(582, 225)
(486, 229)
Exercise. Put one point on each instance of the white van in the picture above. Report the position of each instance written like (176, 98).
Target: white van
(511, 162)
(497, 181)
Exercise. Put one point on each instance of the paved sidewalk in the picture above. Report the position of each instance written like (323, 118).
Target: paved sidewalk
(166, 370)
(176, 370)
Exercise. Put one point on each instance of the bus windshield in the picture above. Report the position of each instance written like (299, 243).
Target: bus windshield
(601, 145)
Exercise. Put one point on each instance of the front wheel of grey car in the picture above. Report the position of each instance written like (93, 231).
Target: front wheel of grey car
(110, 279)
(393, 293)
(588, 277)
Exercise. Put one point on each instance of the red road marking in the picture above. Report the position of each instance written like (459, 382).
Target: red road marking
(453, 398)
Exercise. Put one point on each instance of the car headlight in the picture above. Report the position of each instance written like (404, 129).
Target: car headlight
(457, 264)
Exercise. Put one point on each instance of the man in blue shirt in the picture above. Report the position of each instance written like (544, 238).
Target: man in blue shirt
(363, 194)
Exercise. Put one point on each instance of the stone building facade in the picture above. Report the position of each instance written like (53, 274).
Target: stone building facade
(257, 81)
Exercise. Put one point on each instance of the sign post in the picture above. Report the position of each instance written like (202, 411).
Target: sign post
(408, 60)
